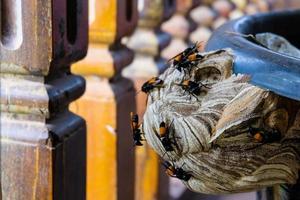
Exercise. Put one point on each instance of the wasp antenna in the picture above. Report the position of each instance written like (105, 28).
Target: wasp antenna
(198, 44)
(170, 60)
(204, 85)
(174, 57)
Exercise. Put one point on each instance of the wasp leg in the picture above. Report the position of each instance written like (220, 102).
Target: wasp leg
(189, 69)
(205, 85)
(166, 153)
(195, 96)
(175, 144)
(184, 92)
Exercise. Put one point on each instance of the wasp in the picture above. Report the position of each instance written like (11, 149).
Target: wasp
(185, 58)
(192, 87)
(136, 131)
(191, 59)
(264, 136)
(164, 136)
(188, 63)
(149, 85)
(176, 172)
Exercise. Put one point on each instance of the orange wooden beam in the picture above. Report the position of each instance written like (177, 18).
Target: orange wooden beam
(108, 100)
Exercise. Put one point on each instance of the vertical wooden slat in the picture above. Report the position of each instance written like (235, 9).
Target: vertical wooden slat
(204, 16)
(101, 138)
(108, 100)
(148, 41)
(42, 143)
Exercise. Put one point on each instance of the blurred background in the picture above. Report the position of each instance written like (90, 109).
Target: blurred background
(130, 42)
(134, 39)
(47, 151)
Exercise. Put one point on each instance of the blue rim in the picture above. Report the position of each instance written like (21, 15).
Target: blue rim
(268, 69)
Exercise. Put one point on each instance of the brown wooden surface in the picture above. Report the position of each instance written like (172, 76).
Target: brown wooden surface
(112, 20)
(108, 100)
(110, 158)
(25, 171)
(42, 144)
(124, 93)
(98, 107)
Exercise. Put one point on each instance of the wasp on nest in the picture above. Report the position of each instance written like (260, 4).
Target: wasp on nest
(232, 137)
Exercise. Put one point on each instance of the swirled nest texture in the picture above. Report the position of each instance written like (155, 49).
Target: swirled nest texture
(209, 133)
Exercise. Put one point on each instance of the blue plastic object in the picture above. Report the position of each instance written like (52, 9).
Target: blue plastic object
(268, 69)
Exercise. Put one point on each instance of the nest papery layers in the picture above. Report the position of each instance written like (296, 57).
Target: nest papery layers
(210, 141)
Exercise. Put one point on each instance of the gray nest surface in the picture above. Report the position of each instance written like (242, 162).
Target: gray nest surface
(210, 131)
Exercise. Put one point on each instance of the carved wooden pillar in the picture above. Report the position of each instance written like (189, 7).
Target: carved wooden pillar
(148, 41)
(42, 142)
(179, 27)
(212, 14)
(204, 16)
(108, 100)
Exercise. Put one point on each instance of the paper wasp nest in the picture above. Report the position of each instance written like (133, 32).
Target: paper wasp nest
(210, 135)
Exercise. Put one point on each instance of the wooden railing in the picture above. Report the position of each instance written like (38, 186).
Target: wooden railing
(147, 42)
(42, 142)
(108, 100)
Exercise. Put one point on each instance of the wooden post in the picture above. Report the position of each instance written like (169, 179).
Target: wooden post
(42, 143)
(148, 41)
(108, 100)
(204, 16)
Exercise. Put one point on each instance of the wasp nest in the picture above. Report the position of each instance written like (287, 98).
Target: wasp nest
(230, 137)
